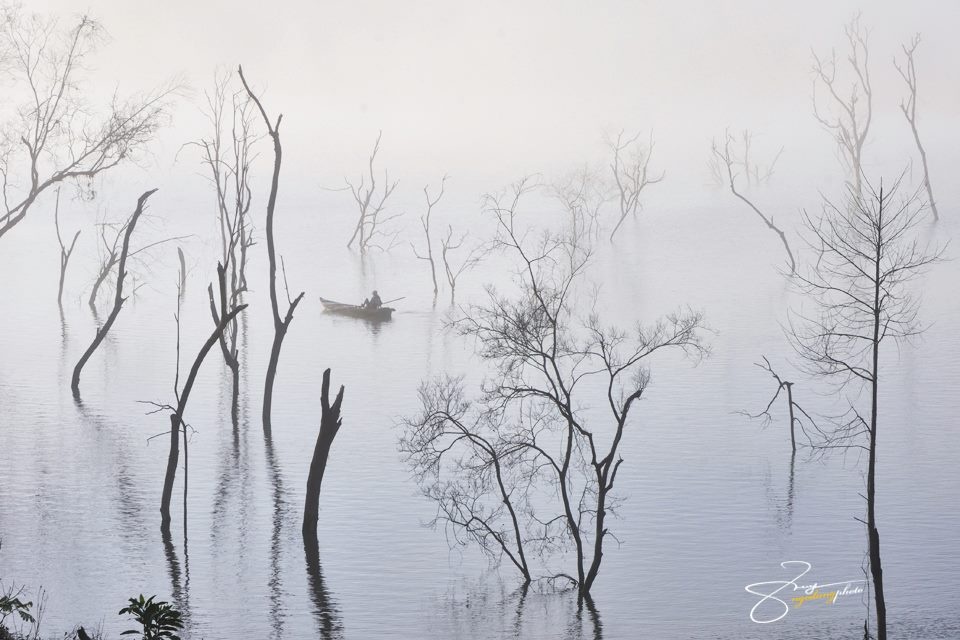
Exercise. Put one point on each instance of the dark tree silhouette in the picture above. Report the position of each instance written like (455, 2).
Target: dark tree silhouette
(118, 299)
(183, 396)
(866, 255)
(280, 325)
(792, 407)
(330, 422)
(523, 469)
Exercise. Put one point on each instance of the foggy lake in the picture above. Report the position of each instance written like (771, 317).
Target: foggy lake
(713, 501)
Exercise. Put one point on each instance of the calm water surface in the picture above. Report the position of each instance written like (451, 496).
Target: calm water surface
(713, 502)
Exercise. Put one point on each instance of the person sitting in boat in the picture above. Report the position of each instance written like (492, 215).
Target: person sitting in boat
(373, 302)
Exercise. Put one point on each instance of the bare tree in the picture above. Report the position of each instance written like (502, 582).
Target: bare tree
(908, 106)
(111, 244)
(371, 206)
(725, 159)
(52, 139)
(528, 441)
(118, 299)
(228, 154)
(182, 397)
(582, 195)
(866, 255)
(280, 325)
(330, 422)
(629, 167)
(454, 269)
(425, 223)
(754, 172)
(65, 252)
(847, 116)
(792, 407)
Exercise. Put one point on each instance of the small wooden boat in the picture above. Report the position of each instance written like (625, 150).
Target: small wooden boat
(356, 311)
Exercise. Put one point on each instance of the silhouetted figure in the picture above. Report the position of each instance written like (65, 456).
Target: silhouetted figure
(373, 302)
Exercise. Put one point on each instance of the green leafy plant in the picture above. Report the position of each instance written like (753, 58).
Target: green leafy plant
(159, 619)
(10, 603)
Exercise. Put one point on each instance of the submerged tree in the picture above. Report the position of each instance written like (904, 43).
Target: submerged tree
(53, 139)
(280, 324)
(909, 108)
(177, 423)
(743, 160)
(629, 168)
(228, 154)
(582, 195)
(110, 248)
(792, 407)
(725, 160)
(866, 255)
(425, 223)
(531, 464)
(452, 268)
(848, 116)
(65, 252)
(118, 298)
(370, 217)
(330, 422)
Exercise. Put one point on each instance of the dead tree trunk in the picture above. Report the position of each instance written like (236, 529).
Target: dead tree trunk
(454, 271)
(183, 272)
(369, 222)
(909, 108)
(425, 223)
(230, 353)
(330, 422)
(65, 253)
(726, 159)
(280, 325)
(630, 174)
(176, 418)
(852, 114)
(118, 299)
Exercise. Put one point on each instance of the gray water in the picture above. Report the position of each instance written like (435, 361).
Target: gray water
(712, 500)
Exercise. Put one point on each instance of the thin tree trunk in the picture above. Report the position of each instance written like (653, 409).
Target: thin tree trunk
(176, 419)
(118, 298)
(876, 569)
(793, 437)
(183, 272)
(65, 253)
(280, 325)
(926, 171)
(330, 422)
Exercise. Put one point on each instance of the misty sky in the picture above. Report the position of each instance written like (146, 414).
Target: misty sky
(500, 89)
